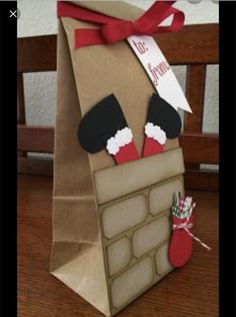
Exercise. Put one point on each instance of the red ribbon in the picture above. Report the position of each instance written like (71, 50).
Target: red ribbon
(113, 30)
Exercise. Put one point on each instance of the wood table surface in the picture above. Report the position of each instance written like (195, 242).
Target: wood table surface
(188, 292)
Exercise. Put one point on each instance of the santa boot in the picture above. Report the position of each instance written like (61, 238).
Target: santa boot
(105, 127)
(163, 122)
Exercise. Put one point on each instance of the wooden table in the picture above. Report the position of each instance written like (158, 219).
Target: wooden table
(188, 292)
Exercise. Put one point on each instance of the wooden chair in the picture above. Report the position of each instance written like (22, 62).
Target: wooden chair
(195, 46)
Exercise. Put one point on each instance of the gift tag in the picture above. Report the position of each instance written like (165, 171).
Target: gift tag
(159, 71)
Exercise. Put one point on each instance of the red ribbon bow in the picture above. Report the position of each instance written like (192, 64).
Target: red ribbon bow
(113, 30)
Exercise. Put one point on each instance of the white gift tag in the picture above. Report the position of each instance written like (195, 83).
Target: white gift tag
(159, 71)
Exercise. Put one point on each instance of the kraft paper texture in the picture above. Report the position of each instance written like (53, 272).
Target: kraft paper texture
(85, 76)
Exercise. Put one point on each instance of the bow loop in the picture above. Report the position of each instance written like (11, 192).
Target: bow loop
(112, 30)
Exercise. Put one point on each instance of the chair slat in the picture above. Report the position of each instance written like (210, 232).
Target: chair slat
(194, 44)
(35, 139)
(195, 87)
(204, 180)
(200, 147)
(20, 99)
(42, 166)
(21, 118)
(36, 54)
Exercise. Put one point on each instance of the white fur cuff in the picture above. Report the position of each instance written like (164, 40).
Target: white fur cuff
(121, 138)
(155, 132)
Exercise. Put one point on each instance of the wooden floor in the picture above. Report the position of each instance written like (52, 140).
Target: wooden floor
(188, 292)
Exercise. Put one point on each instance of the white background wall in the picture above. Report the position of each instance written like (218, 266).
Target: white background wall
(38, 17)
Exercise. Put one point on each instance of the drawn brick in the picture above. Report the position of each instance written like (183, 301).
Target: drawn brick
(161, 197)
(162, 263)
(123, 215)
(151, 235)
(119, 255)
(131, 282)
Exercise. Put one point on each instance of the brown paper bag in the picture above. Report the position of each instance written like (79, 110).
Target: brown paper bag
(111, 225)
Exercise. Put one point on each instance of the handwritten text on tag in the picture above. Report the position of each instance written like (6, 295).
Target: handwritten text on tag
(159, 71)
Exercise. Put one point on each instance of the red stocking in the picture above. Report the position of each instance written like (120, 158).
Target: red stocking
(180, 248)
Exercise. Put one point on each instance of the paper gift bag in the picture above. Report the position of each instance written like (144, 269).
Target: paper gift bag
(111, 224)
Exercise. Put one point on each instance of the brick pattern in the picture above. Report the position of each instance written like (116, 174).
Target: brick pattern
(135, 234)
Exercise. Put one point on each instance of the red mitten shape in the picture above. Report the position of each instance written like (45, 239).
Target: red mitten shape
(180, 247)
(126, 153)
